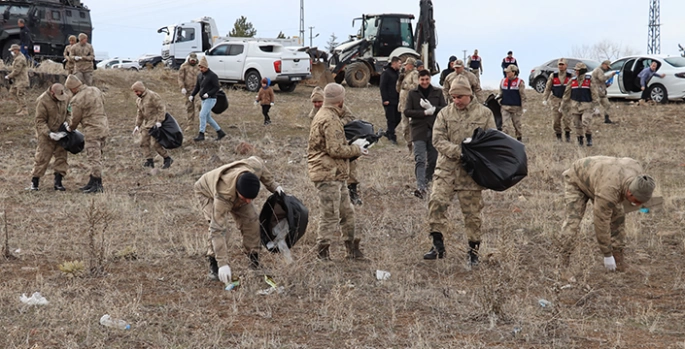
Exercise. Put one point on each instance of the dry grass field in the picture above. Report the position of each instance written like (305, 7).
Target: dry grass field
(144, 240)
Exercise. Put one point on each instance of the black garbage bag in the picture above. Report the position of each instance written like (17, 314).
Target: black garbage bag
(221, 103)
(357, 129)
(494, 160)
(492, 104)
(169, 135)
(283, 207)
(73, 142)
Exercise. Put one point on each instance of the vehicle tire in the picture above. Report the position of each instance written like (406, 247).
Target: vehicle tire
(658, 93)
(287, 87)
(357, 74)
(539, 84)
(253, 81)
(340, 77)
(133, 69)
(6, 55)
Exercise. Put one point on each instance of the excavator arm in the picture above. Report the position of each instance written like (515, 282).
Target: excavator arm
(425, 36)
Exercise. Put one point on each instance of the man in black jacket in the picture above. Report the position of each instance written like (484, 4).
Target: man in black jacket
(390, 97)
(25, 41)
(448, 70)
(423, 104)
(207, 86)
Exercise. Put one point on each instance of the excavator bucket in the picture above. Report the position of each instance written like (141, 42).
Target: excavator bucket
(321, 75)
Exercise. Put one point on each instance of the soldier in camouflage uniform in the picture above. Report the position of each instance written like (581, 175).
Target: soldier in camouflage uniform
(88, 109)
(83, 60)
(231, 189)
(51, 113)
(513, 100)
(600, 76)
(459, 70)
(328, 162)
(19, 78)
(151, 113)
(554, 91)
(68, 57)
(581, 101)
(453, 124)
(609, 182)
(347, 117)
(408, 81)
(187, 77)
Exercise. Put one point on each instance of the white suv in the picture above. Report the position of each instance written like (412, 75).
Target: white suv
(119, 63)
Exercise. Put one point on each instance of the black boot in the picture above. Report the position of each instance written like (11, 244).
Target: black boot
(559, 137)
(607, 120)
(96, 187)
(580, 141)
(267, 121)
(58, 182)
(568, 136)
(254, 260)
(473, 252)
(89, 185)
(220, 134)
(149, 163)
(589, 139)
(354, 194)
(167, 162)
(200, 137)
(438, 249)
(34, 183)
(213, 269)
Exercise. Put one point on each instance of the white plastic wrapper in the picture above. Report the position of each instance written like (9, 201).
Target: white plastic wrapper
(35, 299)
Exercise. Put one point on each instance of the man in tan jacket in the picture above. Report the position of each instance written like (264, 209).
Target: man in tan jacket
(600, 76)
(474, 82)
(231, 189)
(51, 113)
(513, 100)
(453, 124)
(84, 55)
(88, 110)
(328, 158)
(409, 80)
(610, 183)
(551, 97)
(68, 57)
(187, 77)
(19, 79)
(581, 101)
(151, 113)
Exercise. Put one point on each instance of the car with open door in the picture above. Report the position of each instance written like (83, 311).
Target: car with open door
(626, 84)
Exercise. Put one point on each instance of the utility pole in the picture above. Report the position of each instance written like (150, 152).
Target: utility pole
(654, 28)
(301, 38)
(311, 38)
(464, 56)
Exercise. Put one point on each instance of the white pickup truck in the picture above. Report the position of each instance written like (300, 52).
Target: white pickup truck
(249, 61)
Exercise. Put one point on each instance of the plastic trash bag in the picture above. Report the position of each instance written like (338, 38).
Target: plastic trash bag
(169, 135)
(357, 129)
(492, 104)
(73, 142)
(221, 103)
(279, 208)
(493, 159)
(35, 299)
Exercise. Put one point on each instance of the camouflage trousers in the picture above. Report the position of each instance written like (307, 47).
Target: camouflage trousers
(606, 106)
(471, 202)
(353, 173)
(514, 114)
(18, 95)
(406, 132)
(335, 212)
(559, 116)
(147, 143)
(576, 203)
(192, 107)
(582, 122)
(47, 148)
(85, 77)
(94, 148)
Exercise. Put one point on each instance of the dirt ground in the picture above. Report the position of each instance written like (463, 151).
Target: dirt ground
(151, 249)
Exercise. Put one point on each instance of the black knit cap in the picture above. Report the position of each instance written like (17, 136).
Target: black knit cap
(248, 185)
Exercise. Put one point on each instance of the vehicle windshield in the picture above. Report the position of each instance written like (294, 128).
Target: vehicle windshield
(371, 29)
(678, 62)
(168, 34)
(591, 65)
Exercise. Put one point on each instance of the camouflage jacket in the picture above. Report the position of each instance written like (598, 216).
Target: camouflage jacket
(187, 76)
(85, 51)
(328, 153)
(575, 107)
(605, 180)
(151, 109)
(410, 82)
(347, 116)
(473, 81)
(69, 65)
(451, 127)
(50, 114)
(88, 109)
(20, 72)
(599, 79)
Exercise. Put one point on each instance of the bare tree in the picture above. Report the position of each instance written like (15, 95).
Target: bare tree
(605, 49)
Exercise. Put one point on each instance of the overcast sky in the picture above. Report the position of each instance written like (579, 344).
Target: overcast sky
(536, 30)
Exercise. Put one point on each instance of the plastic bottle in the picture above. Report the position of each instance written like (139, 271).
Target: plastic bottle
(107, 321)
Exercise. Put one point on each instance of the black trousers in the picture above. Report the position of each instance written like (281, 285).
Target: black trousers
(645, 94)
(265, 111)
(393, 117)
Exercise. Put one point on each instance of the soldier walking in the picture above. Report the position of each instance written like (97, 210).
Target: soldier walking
(554, 92)
(88, 110)
(600, 76)
(231, 189)
(51, 113)
(581, 102)
(507, 61)
(453, 124)
(407, 81)
(68, 57)
(513, 100)
(328, 158)
(83, 60)
(475, 63)
(609, 182)
(151, 113)
(459, 69)
(187, 77)
(19, 79)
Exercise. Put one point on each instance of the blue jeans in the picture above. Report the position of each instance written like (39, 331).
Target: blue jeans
(29, 59)
(206, 115)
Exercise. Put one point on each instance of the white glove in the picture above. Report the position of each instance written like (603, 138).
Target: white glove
(56, 136)
(158, 124)
(610, 263)
(280, 190)
(425, 104)
(184, 91)
(205, 96)
(544, 102)
(77, 58)
(225, 274)
(363, 145)
(190, 98)
(561, 111)
(524, 111)
(272, 104)
(429, 111)
(596, 111)
(135, 130)
(7, 77)
(66, 125)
